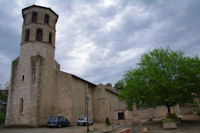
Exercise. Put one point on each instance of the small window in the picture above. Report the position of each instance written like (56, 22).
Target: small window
(50, 37)
(27, 35)
(39, 35)
(34, 17)
(24, 16)
(121, 116)
(21, 105)
(22, 78)
(46, 20)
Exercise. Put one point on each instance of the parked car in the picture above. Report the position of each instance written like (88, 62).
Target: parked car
(83, 121)
(58, 121)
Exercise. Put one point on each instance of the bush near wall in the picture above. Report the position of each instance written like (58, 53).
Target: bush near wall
(2, 117)
(198, 112)
(107, 121)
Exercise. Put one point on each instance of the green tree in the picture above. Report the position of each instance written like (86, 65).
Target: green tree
(192, 75)
(119, 84)
(109, 84)
(163, 77)
(4, 86)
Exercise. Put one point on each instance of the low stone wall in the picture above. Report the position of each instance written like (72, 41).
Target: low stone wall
(153, 113)
(123, 122)
(188, 110)
(161, 112)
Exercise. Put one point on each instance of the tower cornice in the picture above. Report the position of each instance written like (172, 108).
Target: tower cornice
(39, 7)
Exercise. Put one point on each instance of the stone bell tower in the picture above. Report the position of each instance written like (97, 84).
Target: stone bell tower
(32, 84)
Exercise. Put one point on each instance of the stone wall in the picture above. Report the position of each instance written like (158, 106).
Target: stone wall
(81, 89)
(161, 112)
(98, 103)
(20, 89)
(70, 96)
(189, 108)
(106, 104)
(63, 95)
(152, 113)
(111, 105)
(32, 79)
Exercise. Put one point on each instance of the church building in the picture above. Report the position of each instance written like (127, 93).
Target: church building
(39, 89)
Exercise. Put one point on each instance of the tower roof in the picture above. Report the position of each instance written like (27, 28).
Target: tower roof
(39, 7)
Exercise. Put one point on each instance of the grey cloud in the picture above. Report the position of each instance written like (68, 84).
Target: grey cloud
(107, 31)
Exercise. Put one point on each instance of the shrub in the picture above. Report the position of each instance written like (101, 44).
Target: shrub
(107, 121)
(198, 112)
(173, 116)
(168, 120)
(2, 117)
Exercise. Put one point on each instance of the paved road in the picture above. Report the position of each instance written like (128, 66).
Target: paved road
(190, 124)
(72, 129)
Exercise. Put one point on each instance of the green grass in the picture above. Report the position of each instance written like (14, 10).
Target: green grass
(168, 120)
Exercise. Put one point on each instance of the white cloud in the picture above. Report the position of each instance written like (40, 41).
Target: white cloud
(109, 2)
(115, 23)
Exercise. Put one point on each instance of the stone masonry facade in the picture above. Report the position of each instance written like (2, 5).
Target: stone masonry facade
(39, 89)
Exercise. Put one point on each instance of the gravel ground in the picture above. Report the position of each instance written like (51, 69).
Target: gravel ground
(190, 124)
(71, 129)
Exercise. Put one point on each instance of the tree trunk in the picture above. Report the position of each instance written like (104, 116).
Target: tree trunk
(168, 108)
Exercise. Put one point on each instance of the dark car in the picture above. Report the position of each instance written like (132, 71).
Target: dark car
(58, 121)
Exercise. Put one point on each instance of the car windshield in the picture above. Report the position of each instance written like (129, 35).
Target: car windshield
(81, 119)
(60, 117)
(84, 118)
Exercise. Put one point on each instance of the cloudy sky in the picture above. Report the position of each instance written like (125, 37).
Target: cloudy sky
(98, 40)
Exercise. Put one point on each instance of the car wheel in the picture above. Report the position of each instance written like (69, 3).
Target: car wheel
(78, 124)
(59, 125)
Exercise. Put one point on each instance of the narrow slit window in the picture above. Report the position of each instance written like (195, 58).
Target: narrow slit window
(27, 35)
(50, 37)
(22, 78)
(21, 105)
(39, 35)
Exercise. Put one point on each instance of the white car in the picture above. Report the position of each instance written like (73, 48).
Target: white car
(83, 121)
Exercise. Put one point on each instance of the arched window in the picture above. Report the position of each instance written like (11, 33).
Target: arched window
(27, 35)
(46, 20)
(21, 104)
(34, 17)
(39, 35)
(50, 37)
